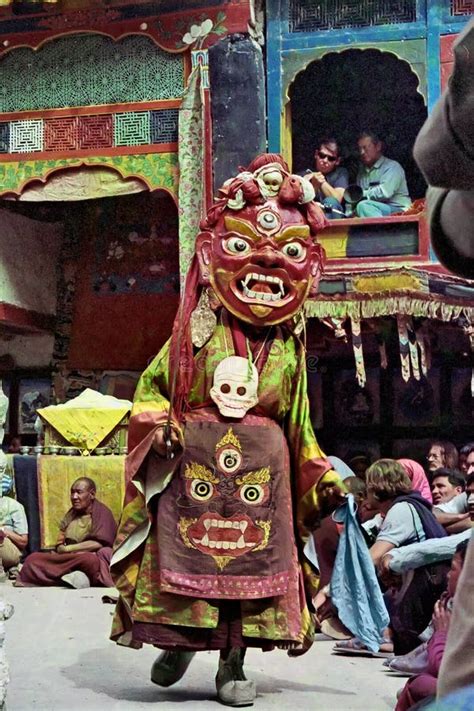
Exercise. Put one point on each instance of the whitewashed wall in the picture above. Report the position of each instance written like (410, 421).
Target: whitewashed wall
(35, 351)
(28, 261)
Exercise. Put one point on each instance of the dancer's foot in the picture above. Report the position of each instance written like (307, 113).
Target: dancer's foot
(233, 688)
(169, 667)
(287, 646)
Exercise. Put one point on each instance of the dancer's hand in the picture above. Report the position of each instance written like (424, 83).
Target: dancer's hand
(159, 442)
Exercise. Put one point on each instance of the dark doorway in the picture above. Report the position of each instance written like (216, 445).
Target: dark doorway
(344, 93)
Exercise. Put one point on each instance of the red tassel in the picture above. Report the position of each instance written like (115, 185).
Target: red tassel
(317, 220)
(181, 365)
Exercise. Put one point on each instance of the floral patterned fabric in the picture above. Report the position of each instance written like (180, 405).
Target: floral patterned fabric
(191, 168)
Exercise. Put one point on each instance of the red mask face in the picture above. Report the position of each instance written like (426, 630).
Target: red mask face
(261, 262)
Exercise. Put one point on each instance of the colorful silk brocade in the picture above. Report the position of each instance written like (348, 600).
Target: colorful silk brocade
(231, 519)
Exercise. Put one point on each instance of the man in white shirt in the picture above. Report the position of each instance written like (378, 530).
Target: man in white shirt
(446, 484)
(454, 515)
(382, 180)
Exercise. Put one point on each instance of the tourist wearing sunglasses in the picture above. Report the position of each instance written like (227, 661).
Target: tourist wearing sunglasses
(329, 179)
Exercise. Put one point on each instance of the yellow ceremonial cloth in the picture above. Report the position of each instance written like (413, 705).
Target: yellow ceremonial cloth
(83, 428)
(56, 474)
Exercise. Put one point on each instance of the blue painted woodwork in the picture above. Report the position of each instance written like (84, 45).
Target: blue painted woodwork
(433, 18)
(275, 22)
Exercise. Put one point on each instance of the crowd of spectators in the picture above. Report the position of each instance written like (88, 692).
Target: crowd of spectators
(412, 529)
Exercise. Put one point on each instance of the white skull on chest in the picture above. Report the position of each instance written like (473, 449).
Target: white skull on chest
(235, 386)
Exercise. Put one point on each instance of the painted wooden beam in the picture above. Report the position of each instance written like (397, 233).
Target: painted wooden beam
(22, 320)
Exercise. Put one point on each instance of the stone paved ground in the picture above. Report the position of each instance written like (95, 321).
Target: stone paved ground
(61, 660)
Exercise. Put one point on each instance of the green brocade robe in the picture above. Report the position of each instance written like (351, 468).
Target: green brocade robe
(282, 393)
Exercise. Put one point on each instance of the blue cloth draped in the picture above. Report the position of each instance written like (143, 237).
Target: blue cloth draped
(355, 590)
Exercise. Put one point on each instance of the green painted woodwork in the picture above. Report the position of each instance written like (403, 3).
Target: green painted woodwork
(88, 70)
(157, 170)
(411, 51)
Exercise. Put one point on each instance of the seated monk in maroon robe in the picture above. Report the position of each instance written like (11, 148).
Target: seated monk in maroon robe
(83, 548)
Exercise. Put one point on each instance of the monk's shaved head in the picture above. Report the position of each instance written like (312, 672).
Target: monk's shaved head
(90, 483)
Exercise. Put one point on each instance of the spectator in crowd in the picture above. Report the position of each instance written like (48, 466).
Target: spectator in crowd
(15, 445)
(329, 179)
(325, 540)
(417, 555)
(469, 462)
(13, 535)
(444, 152)
(83, 549)
(442, 454)
(407, 515)
(382, 180)
(417, 477)
(359, 463)
(457, 670)
(423, 686)
(446, 484)
(464, 452)
(454, 515)
(406, 519)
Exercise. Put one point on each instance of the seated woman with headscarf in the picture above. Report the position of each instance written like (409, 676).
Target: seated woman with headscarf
(407, 515)
(83, 549)
(418, 478)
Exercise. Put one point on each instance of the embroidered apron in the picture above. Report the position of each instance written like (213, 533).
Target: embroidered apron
(225, 526)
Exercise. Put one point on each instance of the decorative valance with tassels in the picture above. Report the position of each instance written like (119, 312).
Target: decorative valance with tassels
(370, 307)
(402, 293)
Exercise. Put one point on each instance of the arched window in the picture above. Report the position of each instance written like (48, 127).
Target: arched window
(344, 93)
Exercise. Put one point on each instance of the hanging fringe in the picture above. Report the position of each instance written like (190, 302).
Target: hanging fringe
(413, 347)
(404, 348)
(420, 339)
(470, 332)
(389, 306)
(383, 354)
(358, 352)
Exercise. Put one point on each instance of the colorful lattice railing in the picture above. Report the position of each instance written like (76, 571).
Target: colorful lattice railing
(66, 134)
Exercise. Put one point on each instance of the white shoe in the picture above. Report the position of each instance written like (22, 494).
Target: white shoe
(77, 579)
(233, 688)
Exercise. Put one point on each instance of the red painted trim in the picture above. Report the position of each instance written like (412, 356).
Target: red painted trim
(24, 319)
(446, 42)
(446, 56)
(99, 152)
(91, 110)
(423, 236)
(237, 17)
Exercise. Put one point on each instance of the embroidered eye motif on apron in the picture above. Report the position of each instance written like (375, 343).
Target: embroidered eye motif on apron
(229, 515)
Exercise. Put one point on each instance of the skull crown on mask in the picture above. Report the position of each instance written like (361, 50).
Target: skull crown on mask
(257, 248)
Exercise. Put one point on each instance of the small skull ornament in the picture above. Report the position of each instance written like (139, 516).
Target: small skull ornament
(269, 180)
(234, 389)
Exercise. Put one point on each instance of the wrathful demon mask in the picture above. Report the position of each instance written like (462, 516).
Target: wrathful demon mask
(257, 247)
